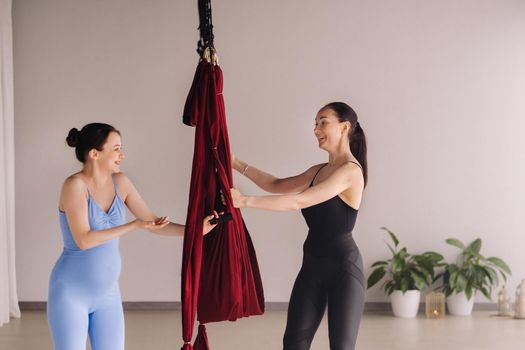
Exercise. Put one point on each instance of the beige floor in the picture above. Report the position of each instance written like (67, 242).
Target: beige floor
(160, 330)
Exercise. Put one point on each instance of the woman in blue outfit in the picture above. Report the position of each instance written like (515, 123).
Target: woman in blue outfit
(84, 296)
(329, 196)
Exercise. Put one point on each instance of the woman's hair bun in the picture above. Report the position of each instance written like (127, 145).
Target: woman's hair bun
(72, 137)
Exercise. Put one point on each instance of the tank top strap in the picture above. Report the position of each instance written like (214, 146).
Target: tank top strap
(87, 187)
(315, 176)
(356, 163)
(115, 185)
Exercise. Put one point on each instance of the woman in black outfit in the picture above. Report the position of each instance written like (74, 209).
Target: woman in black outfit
(329, 196)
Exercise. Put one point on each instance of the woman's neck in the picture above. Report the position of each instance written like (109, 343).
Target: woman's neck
(95, 176)
(340, 156)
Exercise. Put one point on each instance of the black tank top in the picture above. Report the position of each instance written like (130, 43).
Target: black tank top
(330, 225)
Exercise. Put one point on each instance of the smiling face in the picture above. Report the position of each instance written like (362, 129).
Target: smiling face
(111, 155)
(329, 131)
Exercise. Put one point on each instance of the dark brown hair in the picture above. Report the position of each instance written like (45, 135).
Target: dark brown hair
(91, 136)
(345, 113)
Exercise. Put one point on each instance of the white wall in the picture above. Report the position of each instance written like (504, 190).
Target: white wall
(438, 86)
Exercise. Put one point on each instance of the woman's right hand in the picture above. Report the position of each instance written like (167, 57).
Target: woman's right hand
(206, 225)
(152, 225)
(239, 200)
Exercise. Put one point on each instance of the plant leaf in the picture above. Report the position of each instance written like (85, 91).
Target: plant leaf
(403, 253)
(486, 292)
(392, 236)
(492, 275)
(468, 292)
(503, 275)
(475, 246)
(419, 281)
(398, 264)
(404, 285)
(389, 288)
(452, 280)
(376, 276)
(500, 264)
(461, 283)
(456, 243)
(433, 257)
(379, 263)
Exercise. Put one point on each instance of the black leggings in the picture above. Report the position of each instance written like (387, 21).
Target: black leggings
(334, 281)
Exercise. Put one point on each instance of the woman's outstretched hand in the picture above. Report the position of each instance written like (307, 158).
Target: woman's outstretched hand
(207, 226)
(152, 225)
(239, 200)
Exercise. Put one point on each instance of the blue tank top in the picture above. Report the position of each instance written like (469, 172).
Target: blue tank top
(91, 275)
(98, 220)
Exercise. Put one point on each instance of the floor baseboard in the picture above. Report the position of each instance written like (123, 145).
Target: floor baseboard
(270, 306)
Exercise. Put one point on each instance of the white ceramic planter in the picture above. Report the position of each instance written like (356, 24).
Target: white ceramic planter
(459, 305)
(407, 304)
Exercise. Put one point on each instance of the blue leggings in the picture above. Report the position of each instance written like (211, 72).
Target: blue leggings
(70, 322)
(84, 298)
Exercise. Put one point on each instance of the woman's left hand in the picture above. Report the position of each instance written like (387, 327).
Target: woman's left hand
(239, 200)
(207, 226)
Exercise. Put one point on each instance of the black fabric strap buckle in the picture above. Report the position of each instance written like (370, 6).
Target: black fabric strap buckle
(222, 219)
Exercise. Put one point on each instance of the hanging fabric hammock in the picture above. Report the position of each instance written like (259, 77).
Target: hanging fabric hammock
(220, 274)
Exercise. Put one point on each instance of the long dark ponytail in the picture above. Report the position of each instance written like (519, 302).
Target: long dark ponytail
(357, 137)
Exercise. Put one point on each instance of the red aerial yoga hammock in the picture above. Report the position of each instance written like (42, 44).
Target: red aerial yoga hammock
(220, 275)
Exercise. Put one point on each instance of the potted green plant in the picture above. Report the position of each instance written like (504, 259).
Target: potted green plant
(406, 276)
(472, 272)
